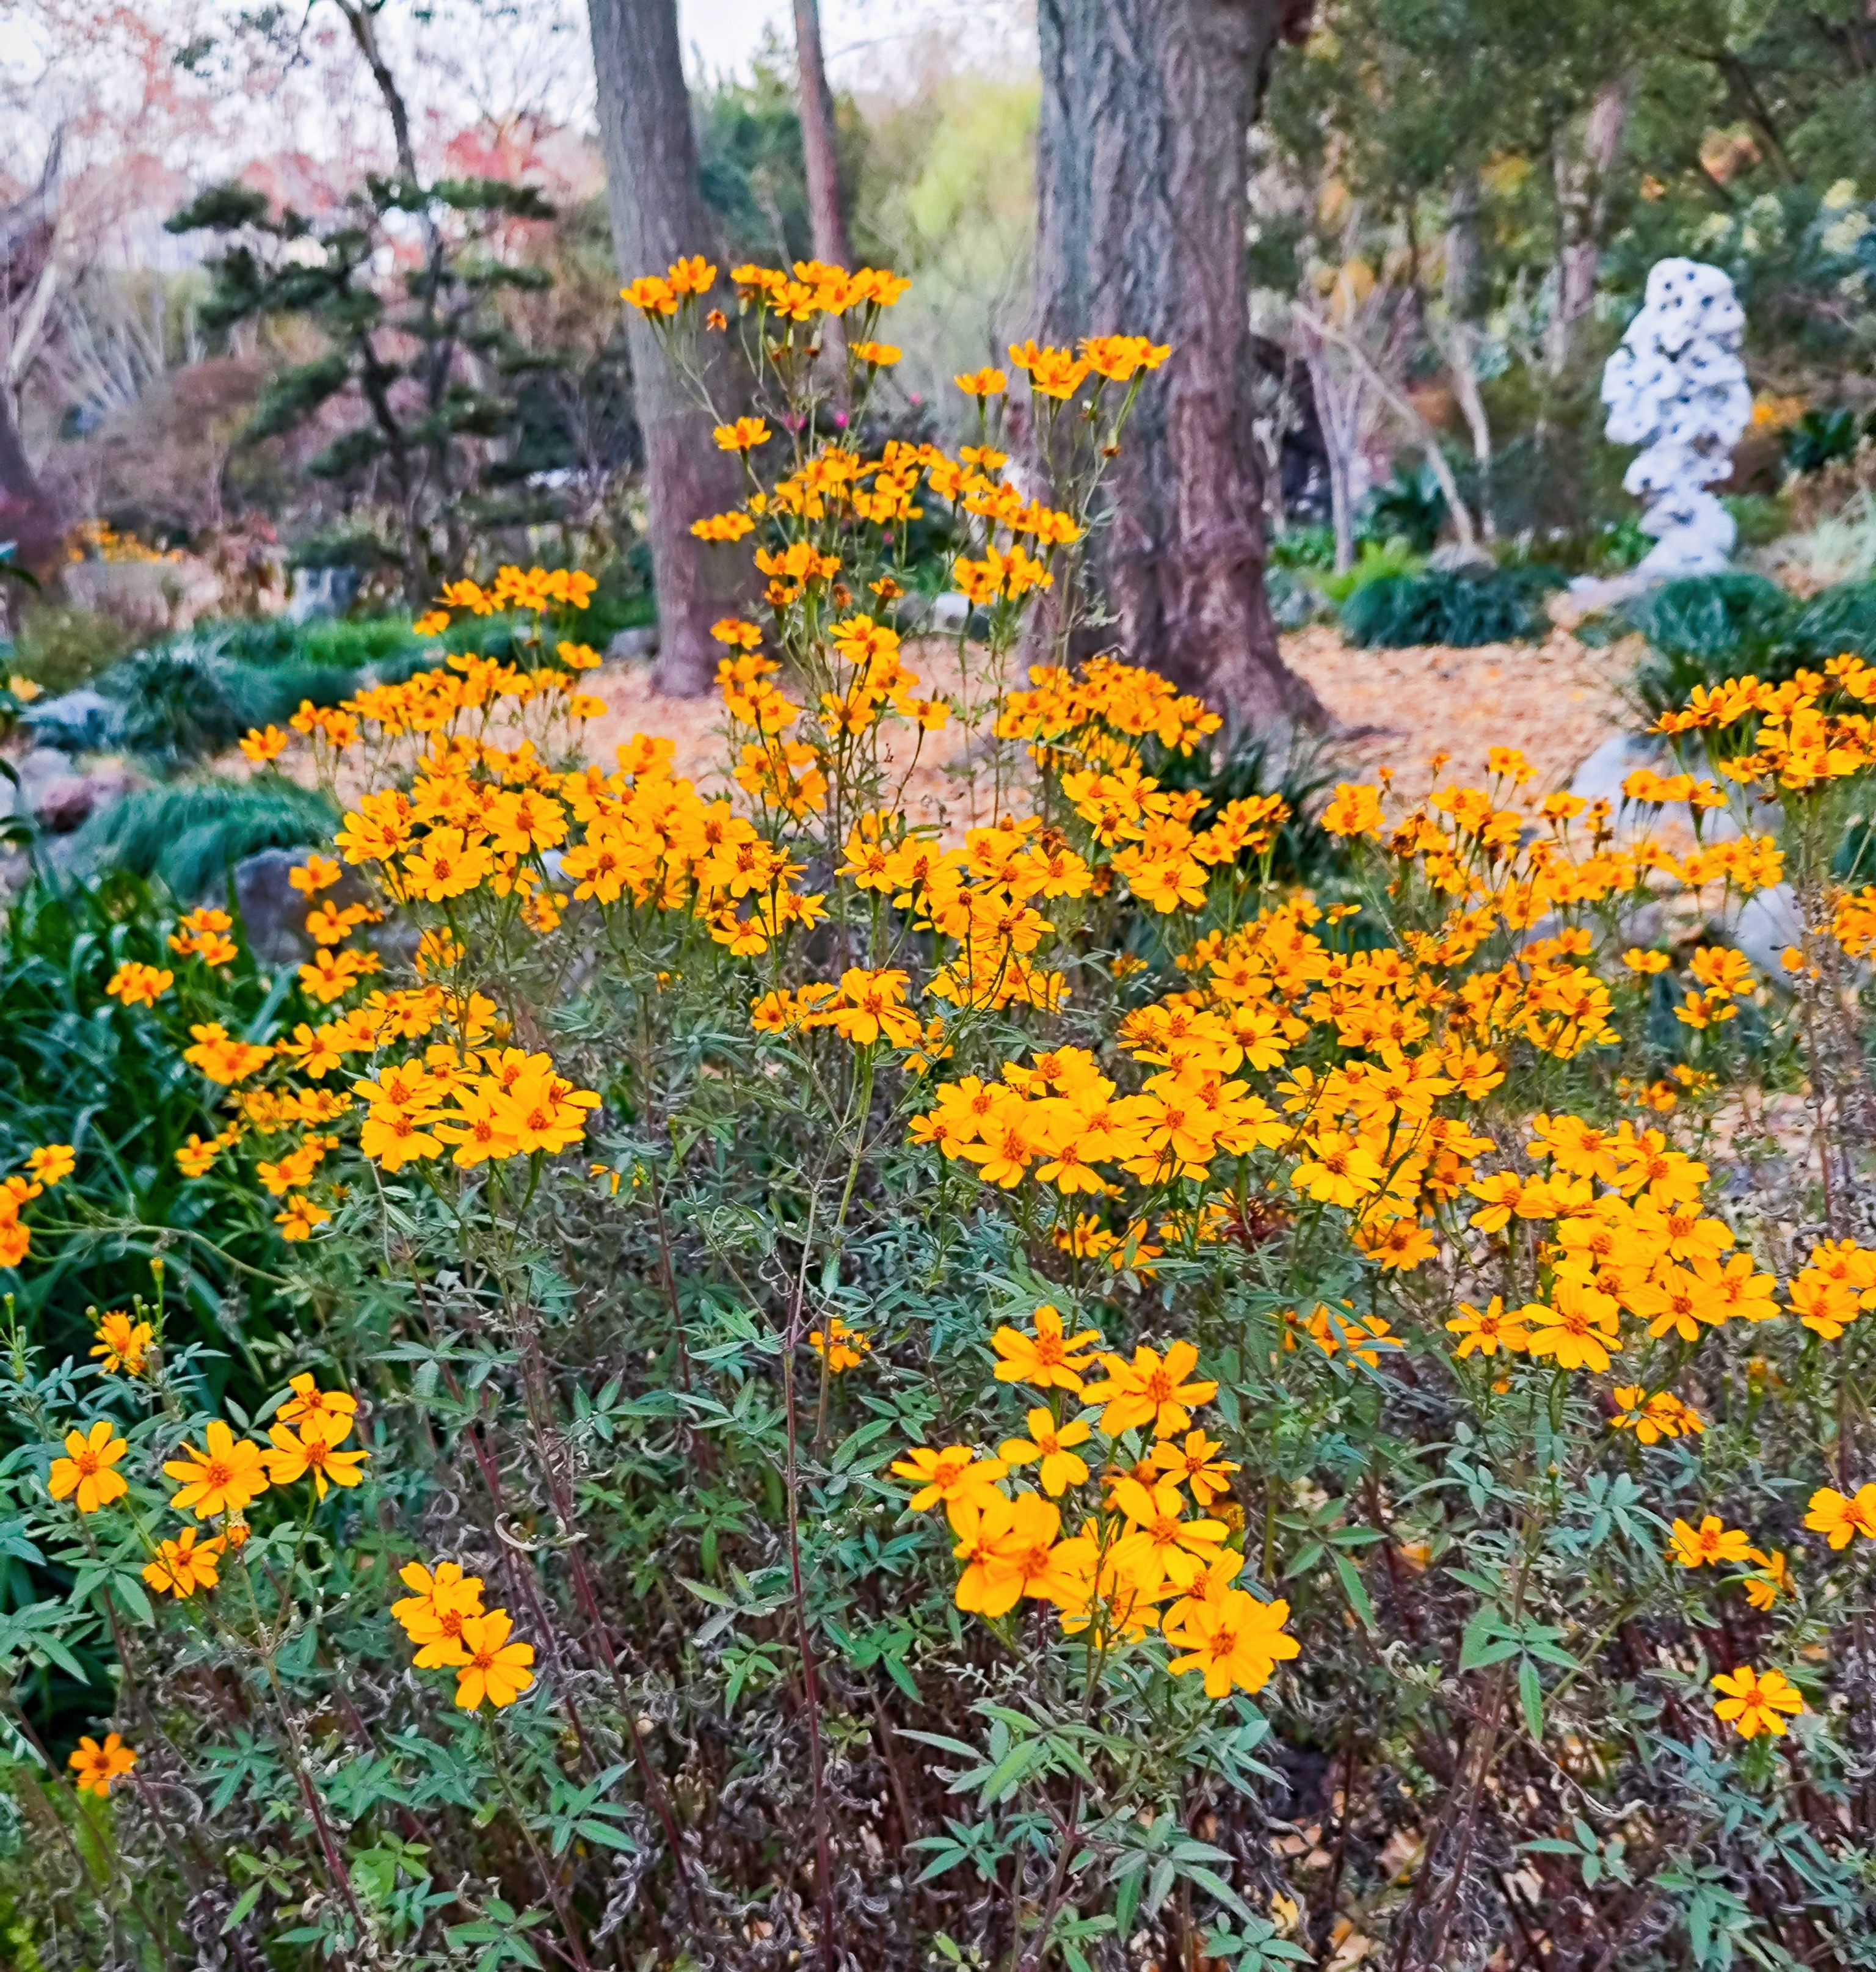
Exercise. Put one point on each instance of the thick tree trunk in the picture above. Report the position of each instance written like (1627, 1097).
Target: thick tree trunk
(658, 214)
(1142, 182)
(827, 218)
(1582, 174)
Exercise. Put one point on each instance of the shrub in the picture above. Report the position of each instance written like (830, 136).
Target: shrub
(1820, 437)
(1375, 561)
(836, 1386)
(192, 698)
(189, 835)
(60, 646)
(1459, 607)
(1411, 505)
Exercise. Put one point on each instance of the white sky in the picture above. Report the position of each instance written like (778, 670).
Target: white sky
(865, 39)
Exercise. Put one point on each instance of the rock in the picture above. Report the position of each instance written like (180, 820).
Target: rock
(1763, 927)
(1456, 558)
(273, 913)
(321, 592)
(949, 613)
(1591, 595)
(65, 805)
(1600, 776)
(634, 646)
(79, 722)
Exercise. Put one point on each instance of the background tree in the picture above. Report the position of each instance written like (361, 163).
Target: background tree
(827, 206)
(658, 213)
(433, 374)
(1146, 106)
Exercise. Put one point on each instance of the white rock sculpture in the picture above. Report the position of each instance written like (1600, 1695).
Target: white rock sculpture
(1676, 388)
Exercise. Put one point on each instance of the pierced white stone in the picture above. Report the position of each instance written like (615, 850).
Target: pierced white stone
(1676, 388)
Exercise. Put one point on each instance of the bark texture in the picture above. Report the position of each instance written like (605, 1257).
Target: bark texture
(1582, 170)
(1142, 184)
(826, 216)
(657, 212)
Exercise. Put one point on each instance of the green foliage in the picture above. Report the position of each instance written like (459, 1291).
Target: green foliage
(1706, 629)
(1411, 505)
(1457, 607)
(60, 645)
(1375, 561)
(1304, 547)
(188, 836)
(1820, 437)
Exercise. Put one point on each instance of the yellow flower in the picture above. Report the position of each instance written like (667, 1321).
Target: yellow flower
(494, 1668)
(51, 1163)
(137, 985)
(1832, 1514)
(195, 1158)
(1151, 1391)
(220, 1479)
(121, 1343)
(329, 1411)
(86, 1469)
(1755, 1699)
(1047, 1359)
(1711, 1543)
(1235, 1640)
(1060, 1468)
(182, 1565)
(841, 1348)
(744, 435)
(1489, 1332)
(956, 1475)
(1161, 1546)
(297, 1221)
(433, 1618)
(1772, 1581)
(97, 1766)
(1010, 1551)
(295, 1454)
(1196, 1464)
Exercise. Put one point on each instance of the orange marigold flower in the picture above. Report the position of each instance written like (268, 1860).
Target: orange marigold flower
(1048, 1359)
(956, 1476)
(494, 1668)
(97, 1766)
(86, 1469)
(1840, 1517)
(1756, 1702)
(221, 1478)
(185, 1565)
(1711, 1543)
(1150, 1390)
(121, 1343)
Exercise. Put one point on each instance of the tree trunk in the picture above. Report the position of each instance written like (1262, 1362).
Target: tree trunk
(1465, 298)
(827, 218)
(1142, 191)
(1582, 176)
(657, 213)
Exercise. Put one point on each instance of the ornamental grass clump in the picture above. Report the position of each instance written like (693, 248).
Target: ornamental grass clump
(761, 1367)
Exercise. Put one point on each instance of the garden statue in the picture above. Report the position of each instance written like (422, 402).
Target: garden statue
(1676, 387)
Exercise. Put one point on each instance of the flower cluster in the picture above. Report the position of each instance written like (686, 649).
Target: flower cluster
(1135, 1550)
(444, 1616)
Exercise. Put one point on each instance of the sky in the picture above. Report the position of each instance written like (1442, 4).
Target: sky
(864, 39)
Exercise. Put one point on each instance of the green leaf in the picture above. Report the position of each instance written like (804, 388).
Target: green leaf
(1357, 1595)
(243, 1904)
(1531, 1697)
